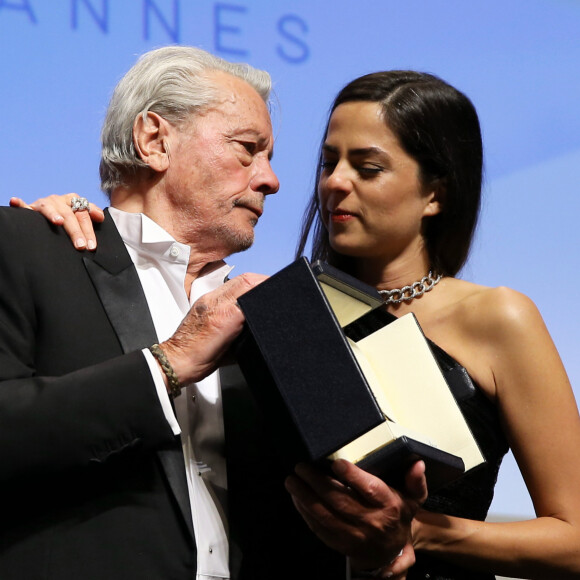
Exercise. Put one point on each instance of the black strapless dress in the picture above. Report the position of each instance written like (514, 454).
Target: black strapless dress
(470, 496)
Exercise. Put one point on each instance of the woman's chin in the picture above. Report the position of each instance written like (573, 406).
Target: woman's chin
(346, 249)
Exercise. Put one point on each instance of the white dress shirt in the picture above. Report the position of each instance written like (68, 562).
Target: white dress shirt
(161, 264)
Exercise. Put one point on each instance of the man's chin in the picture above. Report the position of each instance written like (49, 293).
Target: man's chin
(240, 243)
(243, 247)
(233, 240)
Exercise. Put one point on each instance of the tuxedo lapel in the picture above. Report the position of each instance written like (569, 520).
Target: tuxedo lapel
(117, 284)
(119, 289)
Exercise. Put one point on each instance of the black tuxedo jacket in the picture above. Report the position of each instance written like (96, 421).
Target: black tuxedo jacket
(92, 481)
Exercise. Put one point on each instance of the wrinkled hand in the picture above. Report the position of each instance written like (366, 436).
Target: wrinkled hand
(207, 331)
(56, 209)
(359, 515)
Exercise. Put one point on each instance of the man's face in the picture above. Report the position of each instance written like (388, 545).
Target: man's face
(219, 171)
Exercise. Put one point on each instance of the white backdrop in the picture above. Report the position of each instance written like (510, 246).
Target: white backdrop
(516, 59)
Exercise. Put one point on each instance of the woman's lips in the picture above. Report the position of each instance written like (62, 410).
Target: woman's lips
(341, 216)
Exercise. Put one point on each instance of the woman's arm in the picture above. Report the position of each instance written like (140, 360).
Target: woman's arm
(57, 209)
(541, 421)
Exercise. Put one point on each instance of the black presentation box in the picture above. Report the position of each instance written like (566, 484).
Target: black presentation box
(336, 375)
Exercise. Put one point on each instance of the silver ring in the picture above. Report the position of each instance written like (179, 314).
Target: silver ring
(79, 204)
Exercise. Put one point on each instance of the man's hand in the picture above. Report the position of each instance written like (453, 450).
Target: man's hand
(359, 515)
(207, 331)
(57, 210)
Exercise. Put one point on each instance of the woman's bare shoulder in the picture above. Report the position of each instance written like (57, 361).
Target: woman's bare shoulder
(485, 328)
(493, 312)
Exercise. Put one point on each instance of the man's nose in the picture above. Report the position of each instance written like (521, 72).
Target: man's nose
(266, 181)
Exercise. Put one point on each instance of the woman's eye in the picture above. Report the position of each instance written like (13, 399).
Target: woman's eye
(369, 170)
(327, 165)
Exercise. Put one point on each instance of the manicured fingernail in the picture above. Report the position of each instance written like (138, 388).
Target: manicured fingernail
(57, 219)
(80, 243)
(91, 245)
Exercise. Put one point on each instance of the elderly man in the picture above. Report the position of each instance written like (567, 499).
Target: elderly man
(112, 445)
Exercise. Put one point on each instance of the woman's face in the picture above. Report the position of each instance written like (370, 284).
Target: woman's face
(372, 200)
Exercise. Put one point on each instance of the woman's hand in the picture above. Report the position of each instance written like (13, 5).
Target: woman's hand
(57, 209)
(359, 515)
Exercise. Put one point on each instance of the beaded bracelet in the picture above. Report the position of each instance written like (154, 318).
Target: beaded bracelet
(174, 384)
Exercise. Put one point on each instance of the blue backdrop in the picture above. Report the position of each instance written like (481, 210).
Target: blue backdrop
(517, 60)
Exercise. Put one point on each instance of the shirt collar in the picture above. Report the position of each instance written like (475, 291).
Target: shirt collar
(137, 229)
(147, 238)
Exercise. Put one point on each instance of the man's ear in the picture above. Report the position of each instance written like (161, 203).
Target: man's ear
(150, 133)
(435, 197)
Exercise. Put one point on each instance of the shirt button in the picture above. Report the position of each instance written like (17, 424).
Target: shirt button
(174, 252)
(211, 550)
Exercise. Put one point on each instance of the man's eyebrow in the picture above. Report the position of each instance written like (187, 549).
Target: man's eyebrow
(254, 133)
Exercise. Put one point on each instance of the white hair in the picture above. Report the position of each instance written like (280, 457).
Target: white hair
(174, 83)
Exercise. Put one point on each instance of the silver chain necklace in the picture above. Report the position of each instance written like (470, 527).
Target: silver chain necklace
(407, 293)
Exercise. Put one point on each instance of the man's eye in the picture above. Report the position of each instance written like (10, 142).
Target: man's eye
(249, 146)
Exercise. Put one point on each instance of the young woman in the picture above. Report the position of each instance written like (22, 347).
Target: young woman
(399, 185)
(398, 195)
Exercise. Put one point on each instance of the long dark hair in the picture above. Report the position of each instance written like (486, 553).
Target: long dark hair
(436, 125)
